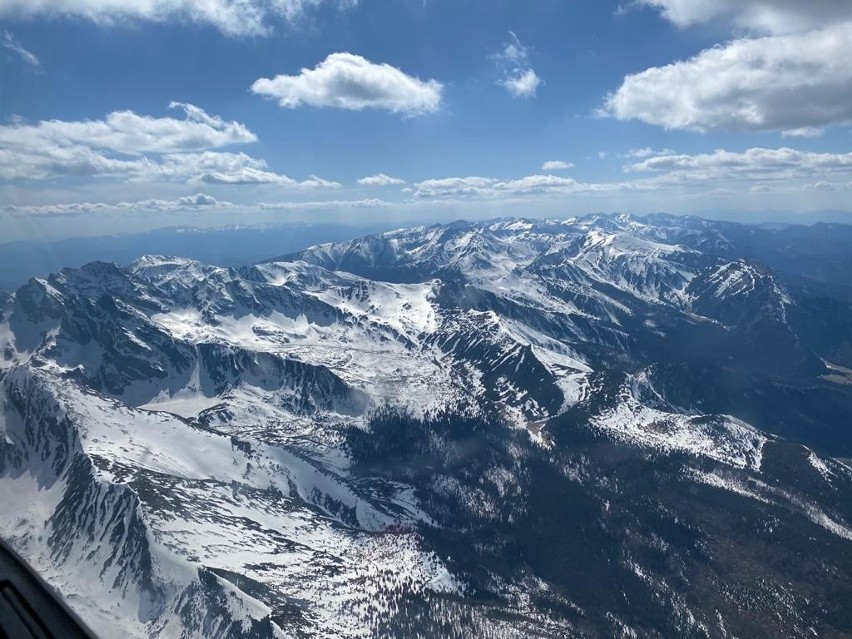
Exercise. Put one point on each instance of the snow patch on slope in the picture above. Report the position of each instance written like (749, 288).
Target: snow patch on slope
(722, 438)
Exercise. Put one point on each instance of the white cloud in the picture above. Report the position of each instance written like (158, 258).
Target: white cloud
(658, 180)
(128, 133)
(77, 161)
(454, 186)
(513, 52)
(199, 199)
(231, 17)
(768, 16)
(200, 202)
(129, 146)
(803, 132)
(643, 152)
(519, 78)
(523, 84)
(538, 184)
(756, 170)
(797, 83)
(237, 170)
(348, 81)
(380, 179)
(476, 187)
(325, 204)
(314, 182)
(197, 202)
(821, 186)
(11, 43)
(557, 165)
(752, 164)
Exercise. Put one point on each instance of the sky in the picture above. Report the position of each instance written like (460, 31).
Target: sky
(120, 116)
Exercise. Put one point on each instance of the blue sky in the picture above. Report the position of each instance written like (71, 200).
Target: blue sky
(416, 109)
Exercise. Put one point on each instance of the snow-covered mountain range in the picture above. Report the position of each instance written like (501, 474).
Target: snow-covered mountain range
(594, 427)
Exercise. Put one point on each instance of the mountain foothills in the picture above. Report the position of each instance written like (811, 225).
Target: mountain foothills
(605, 426)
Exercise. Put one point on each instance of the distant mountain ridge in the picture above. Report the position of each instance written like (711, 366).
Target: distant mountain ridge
(593, 427)
(225, 246)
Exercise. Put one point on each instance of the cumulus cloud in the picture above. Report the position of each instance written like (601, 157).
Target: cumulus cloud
(754, 173)
(644, 152)
(136, 147)
(231, 17)
(11, 43)
(127, 133)
(755, 170)
(821, 186)
(200, 202)
(78, 161)
(199, 199)
(476, 187)
(348, 81)
(454, 186)
(240, 170)
(197, 202)
(796, 83)
(768, 16)
(752, 164)
(368, 203)
(523, 84)
(250, 175)
(786, 70)
(538, 184)
(234, 169)
(556, 165)
(518, 78)
(380, 179)
(803, 132)
(314, 182)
